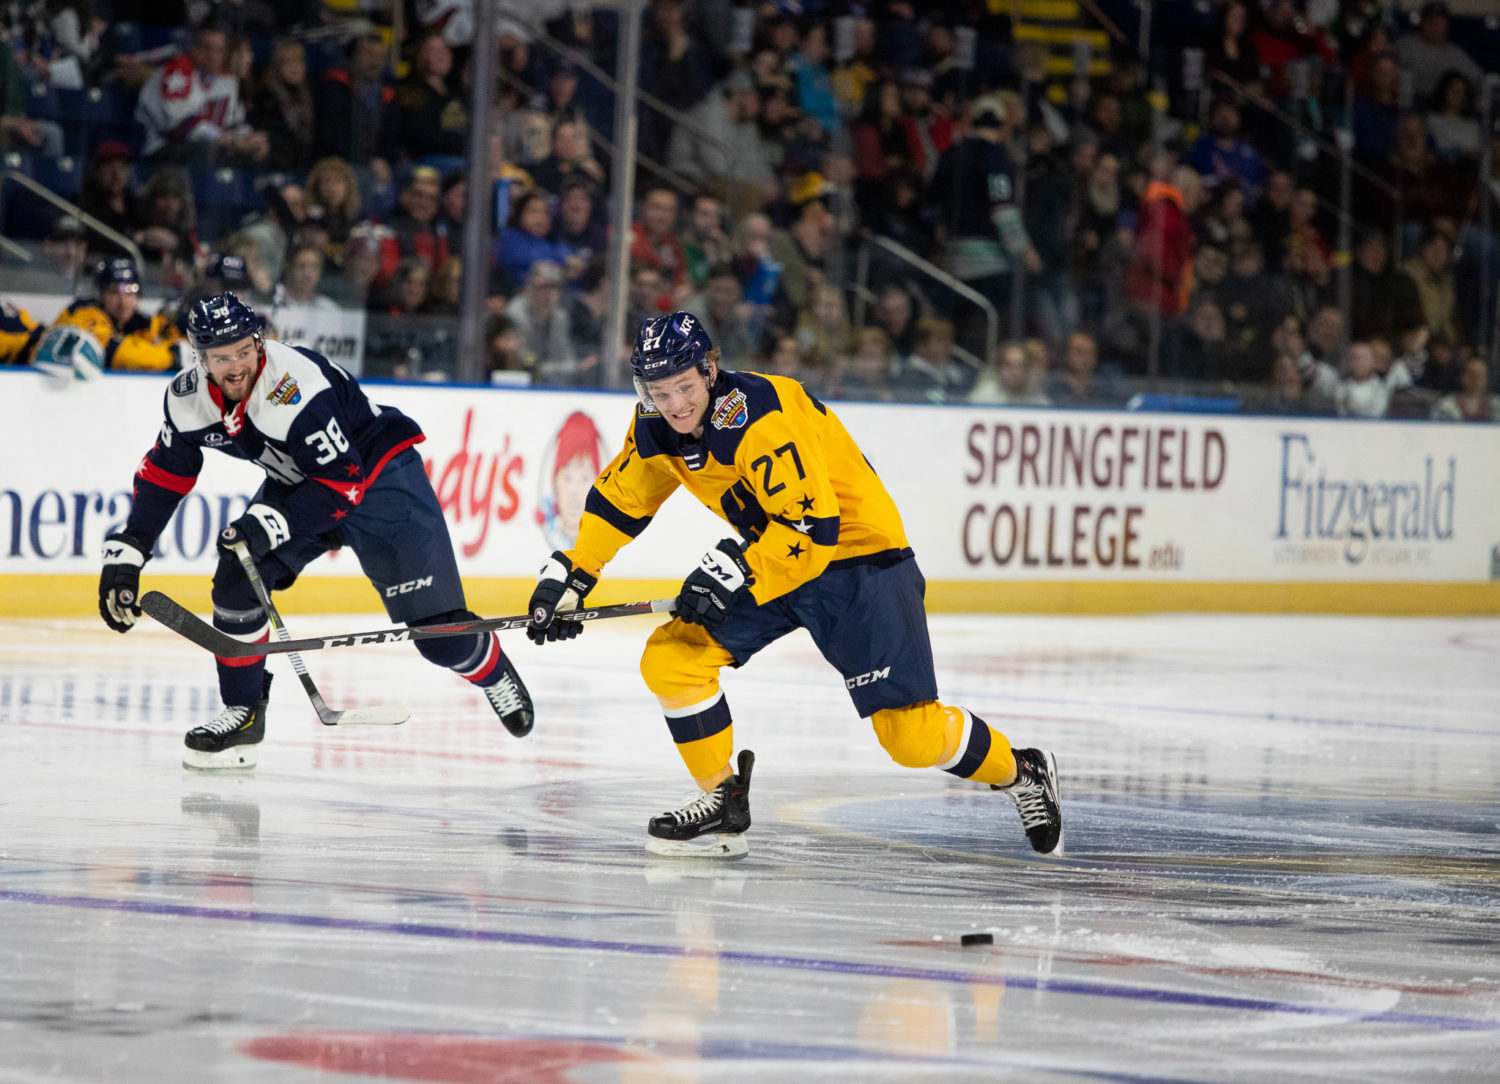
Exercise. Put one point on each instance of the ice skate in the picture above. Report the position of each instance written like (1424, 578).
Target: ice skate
(231, 739)
(1035, 793)
(710, 825)
(511, 702)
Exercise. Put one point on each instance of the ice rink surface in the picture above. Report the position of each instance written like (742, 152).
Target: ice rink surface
(1283, 863)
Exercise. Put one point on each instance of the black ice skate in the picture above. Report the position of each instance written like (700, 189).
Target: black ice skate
(709, 825)
(1036, 796)
(231, 739)
(511, 702)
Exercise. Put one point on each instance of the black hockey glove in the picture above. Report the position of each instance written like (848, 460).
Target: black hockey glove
(263, 527)
(120, 581)
(711, 590)
(559, 586)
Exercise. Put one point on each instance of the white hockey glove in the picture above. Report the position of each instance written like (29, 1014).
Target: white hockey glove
(711, 590)
(120, 581)
(559, 587)
(263, 527)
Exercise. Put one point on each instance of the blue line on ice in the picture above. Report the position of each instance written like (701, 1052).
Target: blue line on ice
(755, 959)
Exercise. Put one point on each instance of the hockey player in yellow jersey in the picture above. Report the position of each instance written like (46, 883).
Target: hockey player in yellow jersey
(126, 338)
(821, 547)
(18, 333)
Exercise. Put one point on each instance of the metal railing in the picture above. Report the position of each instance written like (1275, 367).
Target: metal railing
(89, 221)
(943, 278)
(17, 250)
(607, 145)
(1327, 146)
(682, 120)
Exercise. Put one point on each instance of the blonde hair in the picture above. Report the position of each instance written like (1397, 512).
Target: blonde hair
(271, 77)
(870, 336)
(335, 167)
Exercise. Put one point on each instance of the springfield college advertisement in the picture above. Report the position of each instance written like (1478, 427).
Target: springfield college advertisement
(1006, 508)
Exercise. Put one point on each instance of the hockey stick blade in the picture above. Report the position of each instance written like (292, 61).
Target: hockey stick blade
(382, 715)
(200, 632)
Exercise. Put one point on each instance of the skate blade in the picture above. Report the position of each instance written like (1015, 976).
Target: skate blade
(710, 846)
(236, 758)
(1056, 852)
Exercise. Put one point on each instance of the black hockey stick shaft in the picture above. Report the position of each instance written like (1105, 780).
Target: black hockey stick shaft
(200, 632)
(326, 715)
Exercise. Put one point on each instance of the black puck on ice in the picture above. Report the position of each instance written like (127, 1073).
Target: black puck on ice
(977, 939)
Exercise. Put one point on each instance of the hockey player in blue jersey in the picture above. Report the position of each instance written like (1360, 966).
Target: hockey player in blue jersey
(340, 471)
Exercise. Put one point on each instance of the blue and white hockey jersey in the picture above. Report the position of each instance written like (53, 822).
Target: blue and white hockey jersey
(306, 423)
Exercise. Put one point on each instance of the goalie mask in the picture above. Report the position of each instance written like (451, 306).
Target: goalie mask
(666, 346)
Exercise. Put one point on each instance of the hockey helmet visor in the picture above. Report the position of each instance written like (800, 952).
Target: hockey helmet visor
(221, 320)
(666, 346)
(118, 273)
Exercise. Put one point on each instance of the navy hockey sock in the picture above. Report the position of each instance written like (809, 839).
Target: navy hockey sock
(240, 679)
(476, 658)
(486, 665)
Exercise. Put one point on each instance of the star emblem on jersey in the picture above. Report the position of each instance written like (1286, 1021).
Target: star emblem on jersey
(794, 550)
(339, 513)
(352, 469)
(175, 83)
(802, 526)
(806, 502)
(352, 494)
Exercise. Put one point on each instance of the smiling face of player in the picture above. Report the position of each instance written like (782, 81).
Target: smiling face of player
(233, 368)
(683, 399)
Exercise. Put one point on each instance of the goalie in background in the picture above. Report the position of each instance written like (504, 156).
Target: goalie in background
(339, 472)
(821, 547)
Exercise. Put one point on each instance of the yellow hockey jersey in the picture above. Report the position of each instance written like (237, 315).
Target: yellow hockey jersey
(773, 461)
(18, 333)
(142, 345)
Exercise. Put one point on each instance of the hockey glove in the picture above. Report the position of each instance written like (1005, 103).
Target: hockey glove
(711, 590)
(120, 581)
(262, 527)
(559, 586)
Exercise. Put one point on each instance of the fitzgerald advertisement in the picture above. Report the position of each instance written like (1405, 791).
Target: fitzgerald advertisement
(1104, 510)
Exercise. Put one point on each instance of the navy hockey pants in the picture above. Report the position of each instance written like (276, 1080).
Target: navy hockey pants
(401, 539)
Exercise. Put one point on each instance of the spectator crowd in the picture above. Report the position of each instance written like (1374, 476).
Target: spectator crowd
(828, 189)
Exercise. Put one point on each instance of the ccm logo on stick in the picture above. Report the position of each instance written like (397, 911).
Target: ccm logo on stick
(394, 636)
(865, 679)
(408, 587)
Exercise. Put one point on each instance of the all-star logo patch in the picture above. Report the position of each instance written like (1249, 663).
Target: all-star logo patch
(285, 391)
(732, 411)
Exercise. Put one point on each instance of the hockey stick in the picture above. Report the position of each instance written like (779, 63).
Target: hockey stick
(383, 715)
(200, 632)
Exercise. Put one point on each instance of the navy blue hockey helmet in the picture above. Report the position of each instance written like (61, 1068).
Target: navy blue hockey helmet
(118, 273)
(228, 270)
(668, 345)
(220, 321)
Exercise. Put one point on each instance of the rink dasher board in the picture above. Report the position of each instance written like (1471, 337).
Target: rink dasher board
(1006, 508)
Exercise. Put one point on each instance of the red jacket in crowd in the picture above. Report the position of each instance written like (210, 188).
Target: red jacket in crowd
(1159, 274)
